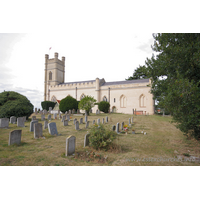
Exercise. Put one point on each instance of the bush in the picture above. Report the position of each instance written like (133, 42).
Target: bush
(100, 138)
(104, 106)
(14, 104)
(68, 103)
(46, 104)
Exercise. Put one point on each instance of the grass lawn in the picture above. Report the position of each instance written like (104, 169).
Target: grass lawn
(164, 145)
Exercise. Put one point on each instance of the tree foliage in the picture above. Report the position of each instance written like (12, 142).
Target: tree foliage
(14, 104)
(68, 103)
(175, 73)
(46, 104)
(87, 103)
(140, 73)
(104, 106)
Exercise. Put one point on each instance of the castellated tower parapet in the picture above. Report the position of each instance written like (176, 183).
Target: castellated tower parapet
(54, 73)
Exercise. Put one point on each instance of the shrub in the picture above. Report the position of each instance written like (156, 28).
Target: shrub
(14, 104)
(104, 106)
(46, 104)
(68, 103)
(100, 138)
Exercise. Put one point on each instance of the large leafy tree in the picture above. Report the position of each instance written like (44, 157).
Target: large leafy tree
(175, 72)
(87, 103)
(140, 73)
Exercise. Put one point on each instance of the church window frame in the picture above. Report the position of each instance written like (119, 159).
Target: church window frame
(142, 101)
(123, 101)
(105, 99)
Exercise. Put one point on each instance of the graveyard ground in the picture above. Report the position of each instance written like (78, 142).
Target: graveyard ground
(164, 145)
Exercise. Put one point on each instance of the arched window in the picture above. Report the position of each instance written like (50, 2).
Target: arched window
(53, 99)
(104, 98)
(123, 101)
(50, 76)
(82, 96)
(142, 100)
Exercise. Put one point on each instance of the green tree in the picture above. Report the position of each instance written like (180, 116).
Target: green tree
(140, 73)
(87, 103)
(176, 71)
(68, 103)
(104, 106)
(46, 104)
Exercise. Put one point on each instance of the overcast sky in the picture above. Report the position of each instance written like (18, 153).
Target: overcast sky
(104, 39)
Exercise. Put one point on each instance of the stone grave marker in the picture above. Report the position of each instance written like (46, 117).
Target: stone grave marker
(52, 128)
(42, 117)
(45, 112)
(15, 137)
(20, 122)
(59, 115)
(65, 122)
(4, 122)
(117, 128)
(32, 125)
(113, 128)
(86, 118)
(87, 124)
(81, 120)
(77, 125)
(68, 117)
(34, 118)
(86, 139)
(63, 118)
(41, 112)
(45, 124)
(98, 121)
(103, 121)
(75, 121)
(55, 115)
(50, 109)
(70, 145)
(73, 111)
(93, 121)
(132, 120)
(36, 111)
(129, 122)
(70, 112)
(37, 130)
(58, 112)
(13, 120)
(122, 128)
(106, 119)
(49, 117)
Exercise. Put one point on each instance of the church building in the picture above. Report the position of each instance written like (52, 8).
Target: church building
(123, 96)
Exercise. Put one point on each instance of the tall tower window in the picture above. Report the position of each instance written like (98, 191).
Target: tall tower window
(50, 76)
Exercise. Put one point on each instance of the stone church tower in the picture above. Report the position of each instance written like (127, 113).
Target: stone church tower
(54, 73)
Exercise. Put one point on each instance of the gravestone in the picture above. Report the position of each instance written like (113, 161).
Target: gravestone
(58, 112)
(86, 118)
(86, 139)
(65, 112)
(52, 128)
(113, 128)
(55, 115)
(70, 112)
(50, 109)
(96, 112)
(81, 120)
(122, 128)
(73, 111)
(36, 111)
(20, 122)
(63, 118)
(41, 112)
(4, 122)
(93, 121)
(49, 117)
(103, 121)
(117, 128)
(70, 145)
(68, 117)
(13, 120)
(15, 137)
(42, 117)
(75, 121)
(45, 112)
(34, 118)
(77, 126)
(87, 124)
(106, 119)
(129, 121)
(45, 124)
(32, 125)
(37, 130)
(98, 121)
(65, 122)
(59, 115)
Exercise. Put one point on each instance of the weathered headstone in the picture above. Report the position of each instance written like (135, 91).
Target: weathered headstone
(86, 118)
(42, 117)
(52, 128)
(70, 112)
(96, 112)
(32, 125)
(49, 117)
(20, 122)
(34, 118)
(68, 117)
(45, 124)
(41, 112)
(75, 121)
(50, 109)
(13, 120)
(59, 115)
(117, 128)
(86, 139)
(122, 126)
(103, 121)
(65, 122)
(63, 118)
(98, 121)
(93, 122)
(70, 145)
(113, 128)
(81, 120)
(15, 137)
(45, 112)
(4, 122)
(87, 124)
(106, 119)
(129, 121)
(37, 130)
(36, 111)
(73, 111)
(77, 125)
(55, 115)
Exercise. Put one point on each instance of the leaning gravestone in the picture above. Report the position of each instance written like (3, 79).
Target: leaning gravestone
(60, 116)
(86, 139)
(45, 124)
(13, 120)
(32, 125)
(77, 126)
(52, 128)
(70, 145)
(15, 137)
(65, 122)
(4, 122)
(20, 122)
(37, 130)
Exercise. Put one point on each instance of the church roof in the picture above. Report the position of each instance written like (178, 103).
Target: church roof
(126, 82)
(77, 82)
